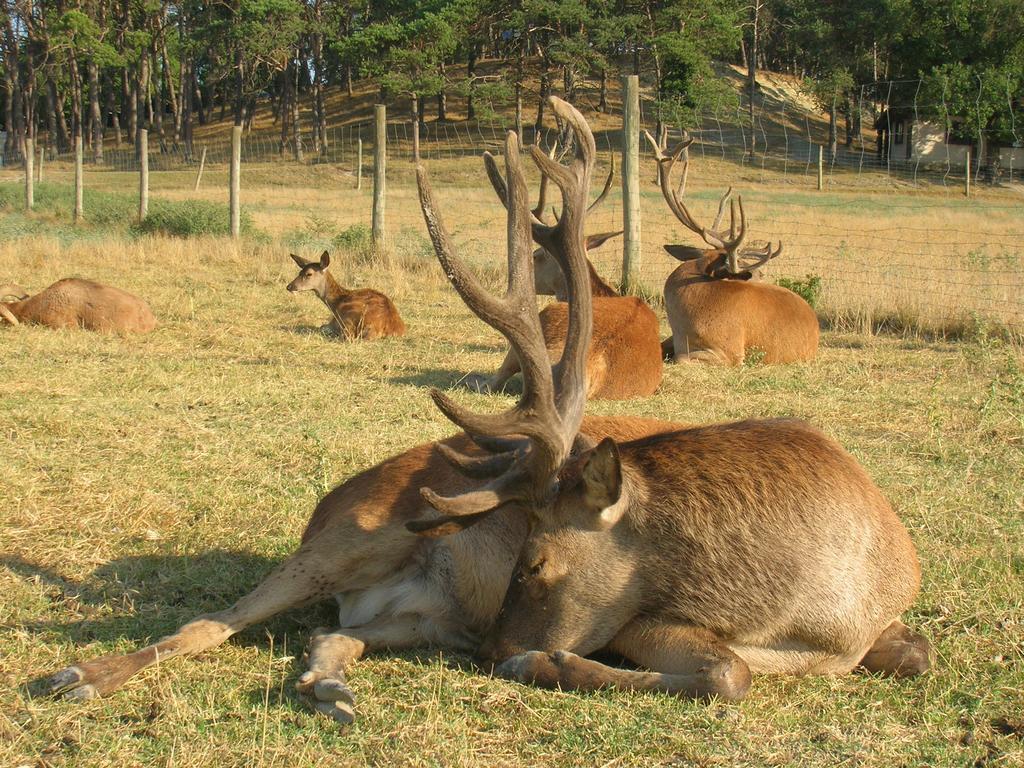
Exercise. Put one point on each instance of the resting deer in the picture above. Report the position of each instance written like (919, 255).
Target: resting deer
(704, 554)
(362, 313)
(76, 303)
(625, 357)
(716, 312)
(397, 590)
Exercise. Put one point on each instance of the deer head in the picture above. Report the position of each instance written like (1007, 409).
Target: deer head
(725, 259)
(311, 275)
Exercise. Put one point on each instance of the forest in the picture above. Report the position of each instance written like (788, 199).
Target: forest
(106, 69)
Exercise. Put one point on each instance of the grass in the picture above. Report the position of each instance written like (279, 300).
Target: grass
(148, 479)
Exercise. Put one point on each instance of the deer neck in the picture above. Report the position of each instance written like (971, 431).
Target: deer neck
(598, 287)
(333, 293)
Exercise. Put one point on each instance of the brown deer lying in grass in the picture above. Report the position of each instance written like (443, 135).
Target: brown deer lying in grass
(397, 590)
(702, 554)
(77, 303)
(716, 312)
(625, 358)
(362, 313)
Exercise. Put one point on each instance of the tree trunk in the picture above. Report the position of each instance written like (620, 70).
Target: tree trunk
(471, 75)
(848, 114)
(296, 125)
(112, 110)
(319, 108)
(129, 88)
(172, 95)
(283, 111)
(95, 115)
(602, 103)
(833, 132)
(752, 73)
(51, 112)
(545, 90)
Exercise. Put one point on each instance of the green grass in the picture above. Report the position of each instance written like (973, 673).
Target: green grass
(108, 212)
(148, 479)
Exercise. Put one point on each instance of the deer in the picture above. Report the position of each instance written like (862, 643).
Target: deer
(394, 589)
(76, 303)
(411, 564)
(625, 352)
(716, 308)
(704, 555)
(361, 313)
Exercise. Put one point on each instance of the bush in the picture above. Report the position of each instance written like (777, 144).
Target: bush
(188, 218)
(809, 288)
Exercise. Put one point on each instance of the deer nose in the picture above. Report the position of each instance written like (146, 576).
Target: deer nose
(291, 287)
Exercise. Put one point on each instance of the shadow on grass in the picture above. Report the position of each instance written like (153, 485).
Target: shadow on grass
(152, 595)
(439, 378)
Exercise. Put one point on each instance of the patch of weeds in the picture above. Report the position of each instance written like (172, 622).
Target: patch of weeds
(188, 218)
(753, 357)
(808, 288)
(357, 240)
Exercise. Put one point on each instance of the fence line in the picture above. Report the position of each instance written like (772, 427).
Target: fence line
(937, 256)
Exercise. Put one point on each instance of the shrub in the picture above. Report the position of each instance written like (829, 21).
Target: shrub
(188, 218)
(809, 288)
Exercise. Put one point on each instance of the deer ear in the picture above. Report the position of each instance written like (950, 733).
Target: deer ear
(684, 252)
(300, 261)
(325, 260)
(602, 483)
(596, 241)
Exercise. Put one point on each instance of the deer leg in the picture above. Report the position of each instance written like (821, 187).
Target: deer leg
(668, 349)
(898, 652)
(302, 578)
(332, 654)
(685, 661)
(485, 385)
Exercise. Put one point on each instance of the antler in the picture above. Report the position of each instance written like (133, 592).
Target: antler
(550, 410)
(713, 236)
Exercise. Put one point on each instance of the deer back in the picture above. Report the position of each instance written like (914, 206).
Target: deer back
(77, 303)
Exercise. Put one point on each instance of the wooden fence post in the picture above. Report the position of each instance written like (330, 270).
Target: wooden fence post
(236, 181)
(967, 173)
(79, 211)
(821, 168)
(359, 163)
(143, 173)
(199, 174)
(630, 182)
(30, 152)
(379, 172)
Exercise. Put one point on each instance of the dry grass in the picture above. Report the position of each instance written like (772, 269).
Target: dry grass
(148, 479)
(912, 262)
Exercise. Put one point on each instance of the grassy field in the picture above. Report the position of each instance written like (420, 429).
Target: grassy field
(145, 480)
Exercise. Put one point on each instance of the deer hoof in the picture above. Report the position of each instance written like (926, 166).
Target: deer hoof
(339, 711)
(69, 677)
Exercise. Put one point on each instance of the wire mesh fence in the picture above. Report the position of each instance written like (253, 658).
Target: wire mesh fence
(890, 238)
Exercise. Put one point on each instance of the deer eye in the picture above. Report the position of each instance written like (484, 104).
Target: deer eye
(537, 567)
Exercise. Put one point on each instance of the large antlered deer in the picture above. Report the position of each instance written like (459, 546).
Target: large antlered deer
(625, 356)
(395, 589)
(717, 313)
(360, 313)
(77, 303)
(703, 554)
